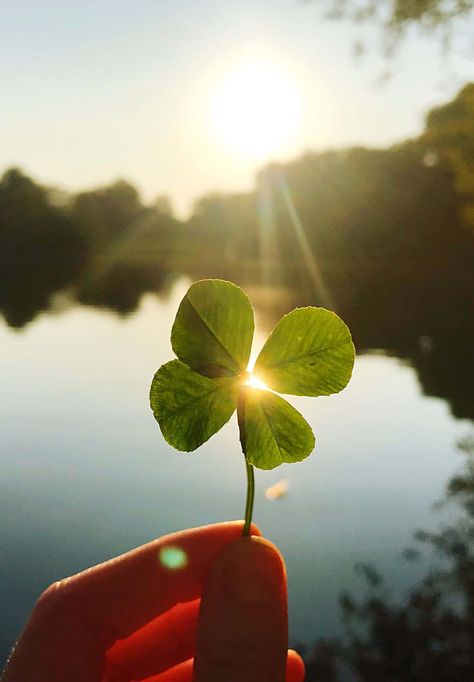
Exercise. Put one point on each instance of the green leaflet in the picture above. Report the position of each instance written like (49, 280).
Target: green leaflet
(309, 352)
(189, 407)
(272, 430)
(213, 329)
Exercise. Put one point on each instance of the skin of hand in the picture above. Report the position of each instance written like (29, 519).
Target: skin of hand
(202, 605)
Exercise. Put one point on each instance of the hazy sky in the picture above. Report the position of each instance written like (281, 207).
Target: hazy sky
(92, 90)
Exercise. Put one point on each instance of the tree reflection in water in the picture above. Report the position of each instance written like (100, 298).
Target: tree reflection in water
(40, 252)
(429, 636)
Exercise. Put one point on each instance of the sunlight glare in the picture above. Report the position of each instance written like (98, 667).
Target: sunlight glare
(254, 382)
(256, 110)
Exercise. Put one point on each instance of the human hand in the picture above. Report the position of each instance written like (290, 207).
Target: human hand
(205, 594)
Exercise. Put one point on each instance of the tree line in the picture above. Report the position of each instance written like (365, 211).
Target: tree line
(383, 236)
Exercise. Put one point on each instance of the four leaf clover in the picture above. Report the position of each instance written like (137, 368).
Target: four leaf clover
(309, 352)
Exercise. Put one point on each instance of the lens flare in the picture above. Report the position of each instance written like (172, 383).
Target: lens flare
(278, 490)
(173, 558)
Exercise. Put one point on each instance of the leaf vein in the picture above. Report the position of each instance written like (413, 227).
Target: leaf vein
(287, 361)
(211, 331)
(193, 402)
(271, 429)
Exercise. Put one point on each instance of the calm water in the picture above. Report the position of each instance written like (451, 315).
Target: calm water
(85, 473)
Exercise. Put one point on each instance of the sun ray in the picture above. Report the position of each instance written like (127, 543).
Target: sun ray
(312, 266)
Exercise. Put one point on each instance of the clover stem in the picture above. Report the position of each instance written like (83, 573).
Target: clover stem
(250, 497)
(248, 467)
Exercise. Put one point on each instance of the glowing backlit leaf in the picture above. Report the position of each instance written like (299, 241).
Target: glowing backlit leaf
(213, 329)
(274, 432)
(309, 352)
(189, 407)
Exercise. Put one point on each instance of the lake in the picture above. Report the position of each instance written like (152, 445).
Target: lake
(85, 473)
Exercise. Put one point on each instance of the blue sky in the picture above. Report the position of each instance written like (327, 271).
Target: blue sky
(99, 89)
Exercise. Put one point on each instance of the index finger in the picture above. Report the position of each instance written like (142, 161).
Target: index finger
(121, 595)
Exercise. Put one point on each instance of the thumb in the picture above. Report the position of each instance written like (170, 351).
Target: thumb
(243, 621)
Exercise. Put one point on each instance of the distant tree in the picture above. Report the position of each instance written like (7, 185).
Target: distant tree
(163, 206)
(396, 17)
(228, 225)
(380, 227)
(131, 246)
(40, 251)
(106, 214)
(449, 137)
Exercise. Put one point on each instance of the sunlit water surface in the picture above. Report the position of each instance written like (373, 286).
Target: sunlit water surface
(85, 473)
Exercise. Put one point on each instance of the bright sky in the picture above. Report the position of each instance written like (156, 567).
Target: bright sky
(152, 90)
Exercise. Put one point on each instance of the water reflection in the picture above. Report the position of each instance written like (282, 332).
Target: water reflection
(40, 252)
(84, 474)
(428, 635)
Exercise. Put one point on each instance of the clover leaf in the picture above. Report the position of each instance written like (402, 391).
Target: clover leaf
(309, 352)
(213, 329)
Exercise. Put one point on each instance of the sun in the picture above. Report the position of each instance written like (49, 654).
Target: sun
(256, 110)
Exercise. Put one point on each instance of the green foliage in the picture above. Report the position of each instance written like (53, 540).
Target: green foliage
(396, 17)
(310, 352)
(399, 13)
(213, 329)
(274, 431)
(189, 407)
(449, 135)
